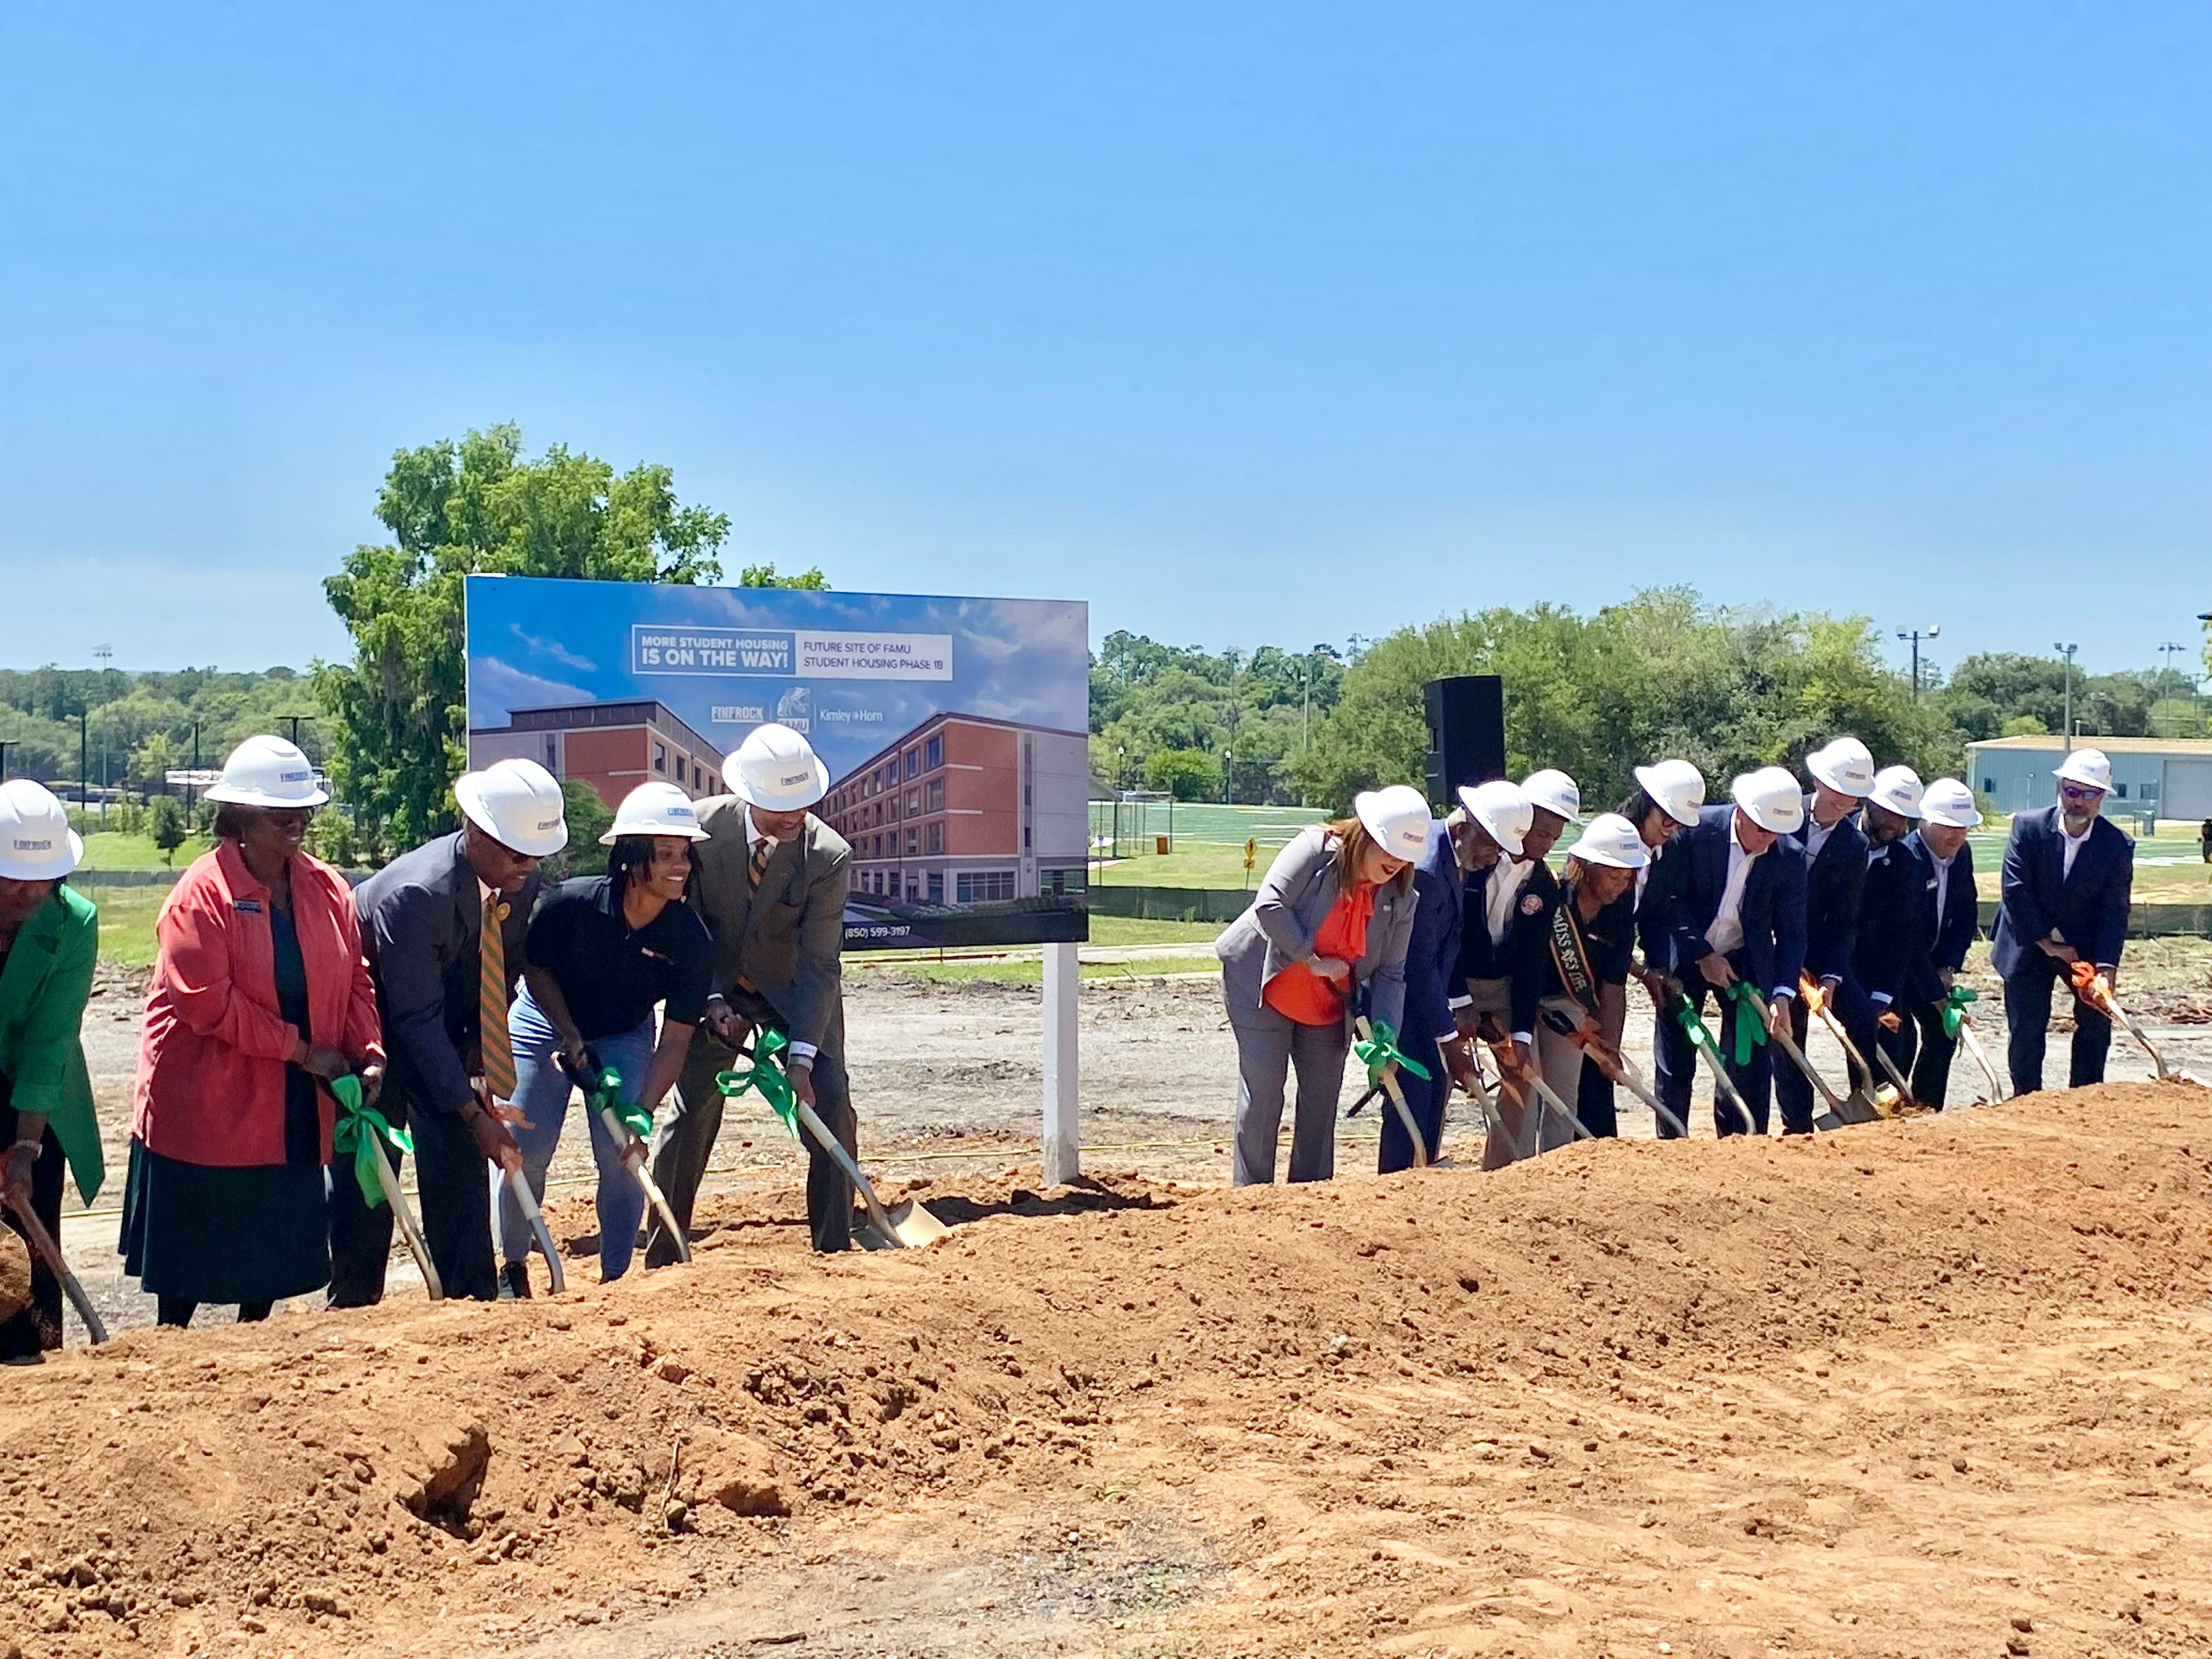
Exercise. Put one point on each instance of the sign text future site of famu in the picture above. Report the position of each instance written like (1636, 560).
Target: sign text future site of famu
(789, 653)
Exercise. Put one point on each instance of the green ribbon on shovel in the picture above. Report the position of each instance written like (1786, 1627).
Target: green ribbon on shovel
(1380, 1052)
(1953, 1008)
(358, 1126)
(766, 1077)
(608, 1097)
(1693, 1025)
(1750, 1021)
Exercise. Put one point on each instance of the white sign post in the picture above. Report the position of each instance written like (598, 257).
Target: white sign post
(1062, 1141)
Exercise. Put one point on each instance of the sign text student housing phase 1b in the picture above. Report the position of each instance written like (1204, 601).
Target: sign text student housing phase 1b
(801, 653)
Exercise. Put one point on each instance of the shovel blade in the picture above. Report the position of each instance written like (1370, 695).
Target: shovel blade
(1857, 1107)
(911, 1227)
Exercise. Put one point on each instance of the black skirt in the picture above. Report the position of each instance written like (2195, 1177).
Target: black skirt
(224, 1234)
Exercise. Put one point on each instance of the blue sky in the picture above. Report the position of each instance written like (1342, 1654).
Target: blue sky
(1243, 322)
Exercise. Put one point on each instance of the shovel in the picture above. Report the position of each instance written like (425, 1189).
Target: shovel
(1378, 1047)
(603, 1093)
(1840, 1111)
(50, 1253)
(907, 1225)
(2094, 988)
(1667, 992)
(1862, 1099)
(518, 1183)
(1615, 1066)
(363, 1130)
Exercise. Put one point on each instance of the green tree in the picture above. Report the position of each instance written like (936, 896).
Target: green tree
(589, 818)
(763, 576)
(475, 508)
(2023, 726)
(1185, 774)
(165, 822)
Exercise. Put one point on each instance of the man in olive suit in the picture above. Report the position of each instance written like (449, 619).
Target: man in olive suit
(770, 882)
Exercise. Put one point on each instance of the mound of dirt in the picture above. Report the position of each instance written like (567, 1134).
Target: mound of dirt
(1931, 1387)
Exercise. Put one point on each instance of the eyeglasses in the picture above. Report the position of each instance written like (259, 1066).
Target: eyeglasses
(2079, 792)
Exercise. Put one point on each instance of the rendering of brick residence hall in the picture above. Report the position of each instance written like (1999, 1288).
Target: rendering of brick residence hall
(965, 810)
(612, 746)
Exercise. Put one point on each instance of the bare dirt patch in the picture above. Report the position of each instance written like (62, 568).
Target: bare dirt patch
(1922, 1388)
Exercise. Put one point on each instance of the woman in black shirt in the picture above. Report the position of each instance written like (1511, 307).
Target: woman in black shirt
(601, 951)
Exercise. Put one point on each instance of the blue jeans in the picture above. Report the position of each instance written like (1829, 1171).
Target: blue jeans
(542, 1092)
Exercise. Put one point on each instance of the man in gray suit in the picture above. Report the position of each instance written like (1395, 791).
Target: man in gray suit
(770, 881)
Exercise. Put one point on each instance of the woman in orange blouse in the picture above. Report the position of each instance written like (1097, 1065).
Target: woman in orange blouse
(1331, 921)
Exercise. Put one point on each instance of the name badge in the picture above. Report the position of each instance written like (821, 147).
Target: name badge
(658, 956)
(246, 907)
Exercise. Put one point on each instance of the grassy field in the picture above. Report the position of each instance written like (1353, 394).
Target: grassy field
(1032, 973)
(111, 850)
(126, 921)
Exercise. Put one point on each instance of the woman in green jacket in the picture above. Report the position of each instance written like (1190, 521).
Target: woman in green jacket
(49, 936)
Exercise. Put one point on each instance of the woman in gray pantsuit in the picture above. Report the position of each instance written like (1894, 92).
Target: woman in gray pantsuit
(1332, 917)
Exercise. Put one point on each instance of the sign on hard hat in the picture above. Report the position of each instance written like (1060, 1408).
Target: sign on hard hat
(2087, 766)
(1500, 808)
(776, 769)
(655, 809)
(1844, 766)
(1611, 839)
(1677, 787)
(36, 842)
(266, 771)
(1397, 817)
(518, 803)
(1898, 787)
(1948, 801)
(1555, 792)
(1769, 797)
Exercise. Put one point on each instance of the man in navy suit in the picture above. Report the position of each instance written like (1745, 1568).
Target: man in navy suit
(1948, 926)
(1726, 904)
(1891, 935)
(2066, 876)
(1835, 851)
(1488, 824)
(1501, 956)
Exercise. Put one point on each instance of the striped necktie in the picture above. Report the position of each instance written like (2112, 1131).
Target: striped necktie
(764, 850)
(491, 1001)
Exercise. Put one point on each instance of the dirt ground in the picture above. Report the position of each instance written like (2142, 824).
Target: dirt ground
(1942, 1386)
(948, 1082)
(1934, 1386)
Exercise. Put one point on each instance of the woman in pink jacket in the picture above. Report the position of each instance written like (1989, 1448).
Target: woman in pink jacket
(259, 991)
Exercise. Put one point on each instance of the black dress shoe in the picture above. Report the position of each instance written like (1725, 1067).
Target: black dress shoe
(514, 1282)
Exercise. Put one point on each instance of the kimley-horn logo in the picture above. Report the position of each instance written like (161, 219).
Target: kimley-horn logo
(655, 650)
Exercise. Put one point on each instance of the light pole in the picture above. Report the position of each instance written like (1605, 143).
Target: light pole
(2068, 651)
(1915, 635)
(2167, 651)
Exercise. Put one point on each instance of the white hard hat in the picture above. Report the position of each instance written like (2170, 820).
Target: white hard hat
(1898, 788)
(267, 772)
(2083, 766)
(1500, 808)
(655, 809)
(1949, 801)
(1397, 817)
(1611, 839)
(518, 803)
(1678, 787)
(36, 844)
(1555, 792)
(1770, 799)
(776, 769)
(1844, 766)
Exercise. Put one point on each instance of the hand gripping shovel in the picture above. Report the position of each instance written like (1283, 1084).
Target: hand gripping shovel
(50, 1253)
(629, 1126)
(1952, 1009)
(360, 1132)
(907, 1225)
(1615, 1063)
(1377, 1050)
(2094, 988)
(1675, 1004)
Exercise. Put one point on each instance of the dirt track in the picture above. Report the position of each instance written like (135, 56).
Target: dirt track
(1887, 1391)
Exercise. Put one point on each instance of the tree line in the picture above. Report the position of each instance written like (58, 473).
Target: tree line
(1664, 672)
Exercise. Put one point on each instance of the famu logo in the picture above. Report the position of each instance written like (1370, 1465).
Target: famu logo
(656, 650)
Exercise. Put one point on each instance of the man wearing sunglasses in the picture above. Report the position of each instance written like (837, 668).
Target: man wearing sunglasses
(2068, 871)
